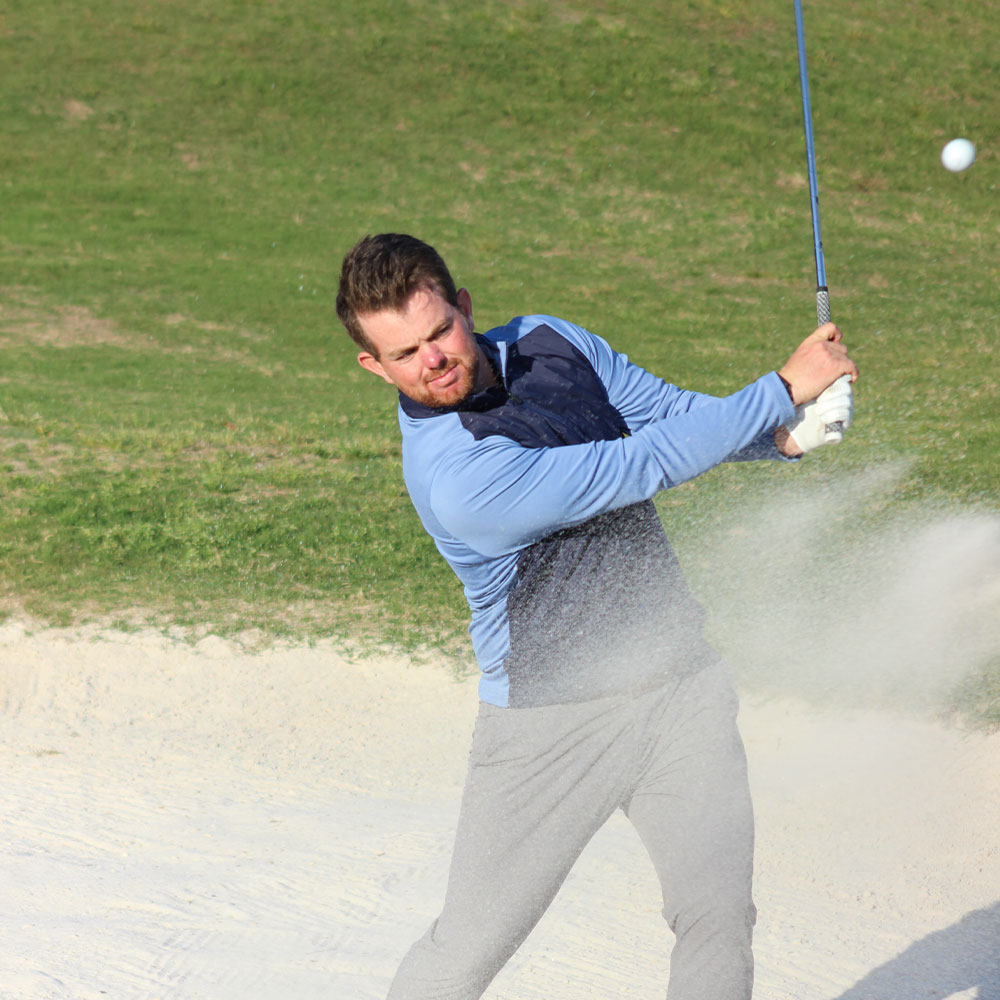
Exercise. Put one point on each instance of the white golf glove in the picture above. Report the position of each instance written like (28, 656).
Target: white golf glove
(824, 420)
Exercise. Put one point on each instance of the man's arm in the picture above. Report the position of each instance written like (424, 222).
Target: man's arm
(498, 496)
(641, 397)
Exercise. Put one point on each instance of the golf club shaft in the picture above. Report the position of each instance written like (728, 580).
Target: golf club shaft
(822, 294)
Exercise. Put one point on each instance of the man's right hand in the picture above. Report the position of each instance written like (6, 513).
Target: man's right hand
(817, 363)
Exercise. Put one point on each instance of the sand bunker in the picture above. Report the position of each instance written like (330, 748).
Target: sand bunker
(203, 822)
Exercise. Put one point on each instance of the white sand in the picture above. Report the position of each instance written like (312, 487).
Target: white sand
(202, 822)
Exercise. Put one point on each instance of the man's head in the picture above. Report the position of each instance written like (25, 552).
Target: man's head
(399, 304)
(382, 272)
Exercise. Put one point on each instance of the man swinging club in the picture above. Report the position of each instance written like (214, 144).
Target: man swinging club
(532, 453)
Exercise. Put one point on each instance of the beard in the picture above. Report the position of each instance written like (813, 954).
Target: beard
(462, 377)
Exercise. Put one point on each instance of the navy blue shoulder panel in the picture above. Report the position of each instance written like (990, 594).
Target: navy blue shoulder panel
(553, 398)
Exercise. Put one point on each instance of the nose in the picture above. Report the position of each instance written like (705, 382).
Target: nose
(434, 357)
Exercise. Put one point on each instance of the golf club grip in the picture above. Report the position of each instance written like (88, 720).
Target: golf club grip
(822, 306)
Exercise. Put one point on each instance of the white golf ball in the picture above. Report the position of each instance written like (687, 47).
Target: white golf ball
(958, 155)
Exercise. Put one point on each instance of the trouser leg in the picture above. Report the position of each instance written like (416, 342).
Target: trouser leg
(692, 811)
(541, 782)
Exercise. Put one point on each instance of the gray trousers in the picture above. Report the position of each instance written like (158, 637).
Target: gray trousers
(542, 781)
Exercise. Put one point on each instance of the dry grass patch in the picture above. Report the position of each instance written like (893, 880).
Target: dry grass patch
(23, 318)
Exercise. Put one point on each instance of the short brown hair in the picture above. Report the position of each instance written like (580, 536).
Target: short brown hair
(382, 272)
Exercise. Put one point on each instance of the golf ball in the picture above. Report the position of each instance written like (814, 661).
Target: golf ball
(959, 154)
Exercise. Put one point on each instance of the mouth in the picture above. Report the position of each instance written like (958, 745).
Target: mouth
(445, 378)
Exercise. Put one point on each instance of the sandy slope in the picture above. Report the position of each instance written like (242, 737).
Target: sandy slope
(187, 822)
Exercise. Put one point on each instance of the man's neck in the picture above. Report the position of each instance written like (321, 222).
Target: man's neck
(488, 374)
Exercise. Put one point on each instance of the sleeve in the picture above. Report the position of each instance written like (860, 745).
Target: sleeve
(498, 496)
(641, 397)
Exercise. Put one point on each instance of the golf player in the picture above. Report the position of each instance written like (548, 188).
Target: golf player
(531, 454)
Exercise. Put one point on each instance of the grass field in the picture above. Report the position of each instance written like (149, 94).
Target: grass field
(184, 434)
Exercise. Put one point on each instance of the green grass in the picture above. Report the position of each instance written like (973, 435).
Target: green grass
(184, 434)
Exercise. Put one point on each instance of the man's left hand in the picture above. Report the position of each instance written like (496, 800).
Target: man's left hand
(808, 430)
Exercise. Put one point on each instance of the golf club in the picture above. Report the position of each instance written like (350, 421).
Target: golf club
(822, 293)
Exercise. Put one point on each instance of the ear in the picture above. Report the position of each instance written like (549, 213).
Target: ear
(371, 364)
(465, 306)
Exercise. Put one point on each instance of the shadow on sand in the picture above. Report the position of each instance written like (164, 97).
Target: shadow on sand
(959, 958)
